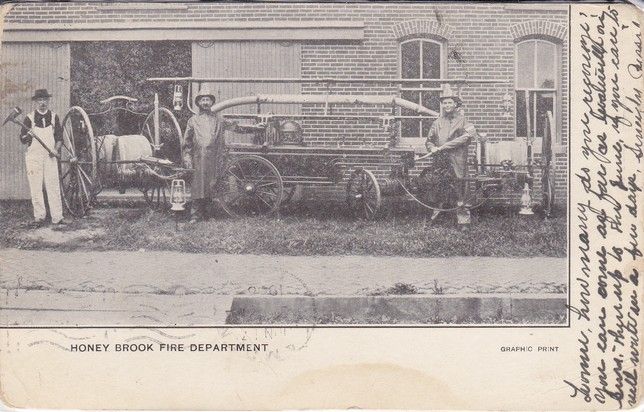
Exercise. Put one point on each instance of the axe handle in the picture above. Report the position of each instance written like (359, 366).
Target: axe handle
(32, 134)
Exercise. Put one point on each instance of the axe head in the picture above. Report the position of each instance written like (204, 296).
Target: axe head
(15, 112)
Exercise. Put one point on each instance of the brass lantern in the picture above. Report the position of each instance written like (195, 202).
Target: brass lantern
(291, 132)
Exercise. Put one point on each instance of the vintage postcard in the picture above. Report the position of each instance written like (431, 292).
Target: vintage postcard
(303, 205)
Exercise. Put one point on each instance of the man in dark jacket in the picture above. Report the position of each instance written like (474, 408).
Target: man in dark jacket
(203, 150)
(447, 142)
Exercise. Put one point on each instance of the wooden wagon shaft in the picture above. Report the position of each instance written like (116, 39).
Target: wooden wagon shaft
(322, 99)
(322, 80)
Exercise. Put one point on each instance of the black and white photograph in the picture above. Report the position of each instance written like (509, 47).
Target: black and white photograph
(290, 205)
(329, 164)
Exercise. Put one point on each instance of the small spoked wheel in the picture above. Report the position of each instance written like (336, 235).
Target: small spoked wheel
(168, 143)
(250, 186)
(78, 173)
(363, 193)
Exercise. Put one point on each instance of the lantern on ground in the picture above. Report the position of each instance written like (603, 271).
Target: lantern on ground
(178, 195)
(526, 201)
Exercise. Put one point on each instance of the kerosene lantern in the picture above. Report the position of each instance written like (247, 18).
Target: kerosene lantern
(526, 201)
(177, 199)
(178, 195)
(177, 98)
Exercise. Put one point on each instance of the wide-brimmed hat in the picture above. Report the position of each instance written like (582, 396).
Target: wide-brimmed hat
(448, 93)
(205, 91)
(41, 94)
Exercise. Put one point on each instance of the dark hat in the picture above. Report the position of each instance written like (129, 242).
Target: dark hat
(205, 91)
(447, 93)
(41, 94)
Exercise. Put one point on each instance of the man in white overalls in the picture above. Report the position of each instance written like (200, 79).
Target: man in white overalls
(42, 167)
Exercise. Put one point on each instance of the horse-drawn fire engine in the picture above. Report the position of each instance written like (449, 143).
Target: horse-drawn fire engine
(262, 175)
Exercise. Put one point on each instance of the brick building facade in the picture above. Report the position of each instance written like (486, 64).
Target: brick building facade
(523, 48)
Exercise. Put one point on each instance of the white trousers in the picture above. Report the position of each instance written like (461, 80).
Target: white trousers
(42, 173)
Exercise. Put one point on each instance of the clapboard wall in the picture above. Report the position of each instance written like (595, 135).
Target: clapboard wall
(25, 67)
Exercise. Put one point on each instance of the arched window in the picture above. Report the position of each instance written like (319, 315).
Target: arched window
(536, 85)
(420, 59)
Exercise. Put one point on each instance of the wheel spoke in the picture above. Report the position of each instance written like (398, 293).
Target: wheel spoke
(258, 196)
(239, 179)
(267, 193)
(369, 208)
(267, 184)
(236, 198)
(69, 169)
(241, 171)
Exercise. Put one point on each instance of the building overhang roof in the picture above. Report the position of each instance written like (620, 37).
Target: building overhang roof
(185, 30)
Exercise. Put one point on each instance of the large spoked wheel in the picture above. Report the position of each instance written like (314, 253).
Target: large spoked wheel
(168, 145)
(363, 194)
(251, 186)
(78, 174)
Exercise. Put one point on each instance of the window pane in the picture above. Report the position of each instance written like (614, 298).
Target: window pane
(412, 96)
(429, 100)
(410, 127)
(525, 64)
(545, 65)
(431, 60)
(545, 104)
(410, 60)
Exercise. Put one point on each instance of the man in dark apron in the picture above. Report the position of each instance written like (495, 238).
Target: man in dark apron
(204, 150)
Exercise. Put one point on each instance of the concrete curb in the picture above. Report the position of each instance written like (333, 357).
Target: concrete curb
(400, 309)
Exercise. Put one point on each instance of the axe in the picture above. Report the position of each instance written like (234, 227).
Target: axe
(15, 112)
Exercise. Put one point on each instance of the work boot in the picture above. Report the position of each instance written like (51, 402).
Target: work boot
(36, 224)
